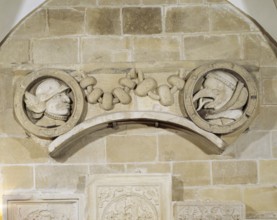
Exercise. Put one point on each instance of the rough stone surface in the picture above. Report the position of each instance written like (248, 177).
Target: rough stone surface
(103, 21)
(193, 173)
(270, 91)
(234, 172)
(110, 168)
(65, 21)
(264, 119)
(17, 177)
(60, 177)
(119, 2)
(212, 47)
(158, 2)
(142, 20)
(225, 18)
(191, 1)
(71, 3)
(9, 52)
(267, 172)
(131, 149)
(220, 194)
(149, 168)
(163, 49)
(106, 50)
(183, 19)
(53, 51)
(252, 46)
(6, 94)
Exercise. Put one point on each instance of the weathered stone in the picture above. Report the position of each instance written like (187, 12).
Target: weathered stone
(253, 145)
(192, 173)
(264, 119)
(119, 2)
(109, 168)
(149, 168)
(17, 177)
(158, 2)
(142, 20)
(234, 172)
(131, 149)
(71, 3)
(8, 124)
(15, 51)
(6, 93)
(274, 143)
(269, 91)
(103, 21)
(268, 53)
(90, 149)
(21, 150)
(268, 72)
(191, 1)
(183, 19)
(267, 172)
(156, 49)
(178, 148)
(225, 18)
(252, 47)
(34, 26)
(220, 194)
(60, 177)
(105, 50)
(66, 21)
(260, 200)
(53, 51)
(216, 1)
(212, 47)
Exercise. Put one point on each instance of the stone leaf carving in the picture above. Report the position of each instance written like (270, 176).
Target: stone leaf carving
(48, 103)
(221, 97)
(193, 210)
(119, 197)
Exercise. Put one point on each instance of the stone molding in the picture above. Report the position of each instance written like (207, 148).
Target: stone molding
(220, 98)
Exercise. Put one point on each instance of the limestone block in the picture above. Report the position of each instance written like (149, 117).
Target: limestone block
(90, 149)
(119, 2)
(61, 177)
(253, 145)
(156, 49)
(212, 47)
(234, 172)
(107, 168)
(15, 51)
(226, 18)
(105, 49)
(252, 46)
(268, 72)
(216, 1)
(8, 125)
(179, 148)
(260, 202)
(131, 148)
(268, 53)
(129, 197)
(148, 168)
(213, 210)
(52, 51)
(183, 19)
(267, 171)
(17, 177)
(71, 3)
(48, 206)
(264, 119)
(191, 1)
(142, 20)
(158, 2)
(21, 151)
(274, 143)
(269, 91)
(220, 194)
(6, 93)
(192, 173)
(66, 21)
(34, 26)
(103, 21)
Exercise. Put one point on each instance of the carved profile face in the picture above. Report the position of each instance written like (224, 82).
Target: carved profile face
(49, 104)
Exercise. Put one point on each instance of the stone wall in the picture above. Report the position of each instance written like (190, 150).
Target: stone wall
(94, 34)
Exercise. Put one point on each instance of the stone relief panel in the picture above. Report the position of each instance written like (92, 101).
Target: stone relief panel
(220, 98)
(42, 207)
(196, 210)
(145, 197)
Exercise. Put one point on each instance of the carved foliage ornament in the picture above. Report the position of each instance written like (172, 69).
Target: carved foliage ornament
(219, 98)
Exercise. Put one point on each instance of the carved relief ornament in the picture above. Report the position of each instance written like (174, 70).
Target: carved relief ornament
(219, 98)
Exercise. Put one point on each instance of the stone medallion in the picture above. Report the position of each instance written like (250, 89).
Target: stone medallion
(48, 103)
(220, 97)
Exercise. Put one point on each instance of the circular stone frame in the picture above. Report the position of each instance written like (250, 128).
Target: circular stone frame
(239, 72)
(32, 79)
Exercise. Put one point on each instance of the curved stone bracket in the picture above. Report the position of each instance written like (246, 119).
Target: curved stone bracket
(62, 143)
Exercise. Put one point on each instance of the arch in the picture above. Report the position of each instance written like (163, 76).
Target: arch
(61, 144)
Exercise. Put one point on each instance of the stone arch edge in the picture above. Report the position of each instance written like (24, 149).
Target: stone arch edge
(59, 146)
